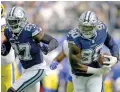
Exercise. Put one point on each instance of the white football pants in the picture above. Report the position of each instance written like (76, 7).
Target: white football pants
(92, 83)
(29, 81)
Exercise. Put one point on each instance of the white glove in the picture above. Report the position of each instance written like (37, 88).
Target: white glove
(105, 70)
(109, 61)
(102, 70)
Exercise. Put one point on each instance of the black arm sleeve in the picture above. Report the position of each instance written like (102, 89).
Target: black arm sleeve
(110, 43)
(52, 42)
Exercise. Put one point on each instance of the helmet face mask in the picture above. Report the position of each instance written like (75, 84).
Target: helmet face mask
(87, 24)
(87, 31)
(86, 28)
(14, 25)
(16, 20)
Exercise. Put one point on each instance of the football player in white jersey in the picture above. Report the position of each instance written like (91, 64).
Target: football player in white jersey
(63, 54)
(9, 70)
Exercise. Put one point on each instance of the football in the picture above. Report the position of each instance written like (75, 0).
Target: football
(101, 59)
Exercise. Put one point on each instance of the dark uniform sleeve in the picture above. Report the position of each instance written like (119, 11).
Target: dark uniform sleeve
(110, 43)
(47, 39)
(6, 32)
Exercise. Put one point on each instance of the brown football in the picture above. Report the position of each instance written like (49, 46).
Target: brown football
(101, 59)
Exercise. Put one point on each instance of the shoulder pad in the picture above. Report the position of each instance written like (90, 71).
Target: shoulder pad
(101, 26)
(29, 27)
(72, 35)
(33, 28)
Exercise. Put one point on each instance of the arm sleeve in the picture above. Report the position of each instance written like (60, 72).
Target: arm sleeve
(6, 33)
(47, 39)
(52, 42)
(110, 43)
(35, 29)
(65, 48)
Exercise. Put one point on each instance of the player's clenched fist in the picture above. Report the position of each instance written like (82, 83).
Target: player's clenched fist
(109, 61)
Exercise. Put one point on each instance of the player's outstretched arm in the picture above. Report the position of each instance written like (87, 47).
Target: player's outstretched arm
(47, 39)
(57, 60)
(60, 57)
(110, 43)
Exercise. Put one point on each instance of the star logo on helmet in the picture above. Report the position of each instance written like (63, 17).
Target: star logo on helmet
(19, 14)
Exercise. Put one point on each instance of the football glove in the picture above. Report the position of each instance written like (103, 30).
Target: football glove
(109, 61)
(44, 49)
(53, 65)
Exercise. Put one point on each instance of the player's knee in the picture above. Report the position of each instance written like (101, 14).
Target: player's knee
(11, 90)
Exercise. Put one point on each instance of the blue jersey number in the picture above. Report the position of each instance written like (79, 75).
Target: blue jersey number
(23, 51)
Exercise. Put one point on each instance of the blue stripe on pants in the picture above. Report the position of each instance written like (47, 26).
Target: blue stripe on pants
(30, 81)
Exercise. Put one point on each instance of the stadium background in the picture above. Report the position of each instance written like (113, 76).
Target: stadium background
(58, 17)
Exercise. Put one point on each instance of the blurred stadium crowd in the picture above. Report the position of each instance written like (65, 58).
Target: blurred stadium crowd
(58, 17)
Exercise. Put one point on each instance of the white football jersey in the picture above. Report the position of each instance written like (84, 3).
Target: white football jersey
(9, 58)
(66, 52)
(65, 48)
(3, 22)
